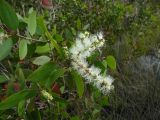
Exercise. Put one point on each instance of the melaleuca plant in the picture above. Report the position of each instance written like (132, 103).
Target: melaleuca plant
(84, 45)
(38, 81)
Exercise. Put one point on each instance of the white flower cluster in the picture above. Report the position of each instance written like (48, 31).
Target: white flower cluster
(84, 45)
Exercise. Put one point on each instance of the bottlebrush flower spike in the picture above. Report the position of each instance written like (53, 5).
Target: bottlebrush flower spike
(84, 45)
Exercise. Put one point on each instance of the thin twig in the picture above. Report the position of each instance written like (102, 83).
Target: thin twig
(28, 38)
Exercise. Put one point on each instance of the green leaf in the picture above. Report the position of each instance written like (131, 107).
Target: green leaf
(20, 77)
(21, 108)
(111, 62)
(58, 37)
(104, 101)
(22, 49)
(100, 65)
(5, 48)
(2, 79)
(79, 83)
(68, 34)
(20, 74)
(43, 72)
(41, 60)
(32, 24)
(79, 24)
(49, 36)
(58, 98)
(8, 16)
(14, 99)
(54, 43)
(41, 24)
(35, 114)
(75, 118)
(58, 72)
(43, 49)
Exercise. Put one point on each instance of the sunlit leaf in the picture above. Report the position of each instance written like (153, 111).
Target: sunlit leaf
(32, 24)
(43, 49)
(41, 60)
(22, 49)
(111, 62)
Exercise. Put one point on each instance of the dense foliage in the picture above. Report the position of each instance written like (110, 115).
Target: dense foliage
(37, 80)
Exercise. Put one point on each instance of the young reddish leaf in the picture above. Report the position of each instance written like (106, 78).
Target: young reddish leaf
(56, 88)
(16, 86)
(47, 4)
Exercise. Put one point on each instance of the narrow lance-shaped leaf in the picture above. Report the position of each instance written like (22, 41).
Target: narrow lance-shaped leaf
(14, 99)
(49, 36)
(58, 72)
(5, 48)
(8, 16)
(21, 108)
(32, 115)
(79, 83)
(42, 73)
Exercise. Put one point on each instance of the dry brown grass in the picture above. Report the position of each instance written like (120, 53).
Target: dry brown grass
(136, 95)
